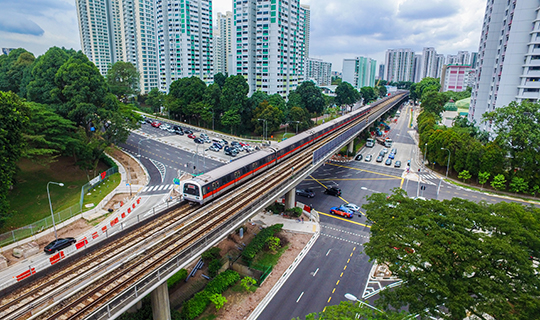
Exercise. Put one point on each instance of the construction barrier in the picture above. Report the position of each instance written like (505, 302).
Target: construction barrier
(81, 243)
(95, 235)
(26, 274)
(57, 257)
(114, 221)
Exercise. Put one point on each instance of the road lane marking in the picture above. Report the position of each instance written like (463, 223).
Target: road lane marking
(339, 218)
(334, 290)
(300, 297)
(378, 173)
(341, 275)
(316, 271)
(345, 268)
(328, 300)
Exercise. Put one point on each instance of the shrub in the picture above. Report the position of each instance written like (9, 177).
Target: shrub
(214, 267)
(218, 300)
(294, 212)
(211, 254)
(107, 160)
(247, 282)
(177, 277)
(499, 182)
(273, 244)
(276, 208)
(257, 244)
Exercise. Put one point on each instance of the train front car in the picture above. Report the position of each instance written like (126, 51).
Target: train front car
(192, 192)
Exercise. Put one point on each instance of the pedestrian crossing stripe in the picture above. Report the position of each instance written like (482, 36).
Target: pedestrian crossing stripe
(158, 188)
(341, 239)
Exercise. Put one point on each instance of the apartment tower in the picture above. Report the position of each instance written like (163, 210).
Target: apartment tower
(399, 65)
(222, 43)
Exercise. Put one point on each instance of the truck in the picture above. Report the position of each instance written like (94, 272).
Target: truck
(370, 143)
(387, 142)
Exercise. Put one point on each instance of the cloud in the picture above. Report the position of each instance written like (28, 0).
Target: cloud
(20, 25)
(427, 9)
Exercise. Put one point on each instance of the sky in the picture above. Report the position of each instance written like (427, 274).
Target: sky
(340, 29)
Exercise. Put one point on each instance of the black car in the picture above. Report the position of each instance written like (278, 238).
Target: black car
(230, 152)
(382, 153)
(59, 244)
(305, 193)
(188, 131)
(358, 157)
(224, 142)
(397, 164)
(199, 140)
(148, 120)
(333, 191)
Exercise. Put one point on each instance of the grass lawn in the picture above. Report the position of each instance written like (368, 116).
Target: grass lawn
(28, 199)
(266, 258)
(102, 190)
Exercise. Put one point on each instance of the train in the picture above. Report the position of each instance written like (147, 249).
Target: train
(212, 184)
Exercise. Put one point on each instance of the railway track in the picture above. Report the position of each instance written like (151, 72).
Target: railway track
(107, 272)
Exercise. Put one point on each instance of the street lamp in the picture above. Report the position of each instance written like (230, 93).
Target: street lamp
(355, 299)
(297, 122)
(139, 147)
(264, 131)
(448, 164)
(50, 205)
(425, 154)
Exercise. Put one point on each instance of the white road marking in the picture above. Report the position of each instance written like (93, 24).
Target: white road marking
(161, 187)
(316, 271)
(300, 297)
(328, 252)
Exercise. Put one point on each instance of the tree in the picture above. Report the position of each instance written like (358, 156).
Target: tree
(456, 256)
(499, 182)
(368, 94)
(336, 81)
(13, 119)
(185, 93)
(433, 101)
(218, 300)
(311, 97)
(13, 69)
(155, 99)
(483, 177)
(123, 79)
(349, 310)
(247, 282)
(464, 175)
(231, 119)
(425, 83)
(534, 190)
(219, 79)
(518, 185)
(273, 116)
(273, 244)
(346, 95)
(382, 91)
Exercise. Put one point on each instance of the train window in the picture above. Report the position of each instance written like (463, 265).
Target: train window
(254, 165)
(215, 185)
(191, 189)
(237, 174)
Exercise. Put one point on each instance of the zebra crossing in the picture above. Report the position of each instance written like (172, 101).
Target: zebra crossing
(162, 187)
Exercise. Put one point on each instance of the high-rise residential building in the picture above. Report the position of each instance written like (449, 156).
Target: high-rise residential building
(429, 63)
(417, 68)
(222, 43)
(399, 65)
(463, 57)
(455, 77)
(318, 71)
(439, 58)
(452, 59)
(307, 24)
(509, 57)
(269, 44)
(184, 37)
(381, 72)
(120, 30)
(359, 72)
(474, 60)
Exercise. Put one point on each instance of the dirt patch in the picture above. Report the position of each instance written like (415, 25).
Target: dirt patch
(135, 171)
(75, 229)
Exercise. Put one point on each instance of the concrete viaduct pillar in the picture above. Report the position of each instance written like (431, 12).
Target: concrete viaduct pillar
(290, 198)
(161, 309)
(351, 146)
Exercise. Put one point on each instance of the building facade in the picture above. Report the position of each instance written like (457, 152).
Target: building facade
(120, 30)
(184, 37)
(417, 68)
(269, 44)
(359, 72)
(318, 71)
(399, 65)
(455, 77)
(508, 57)
(222, 51)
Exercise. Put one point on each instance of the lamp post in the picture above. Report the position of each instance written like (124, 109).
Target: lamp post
(448, 164)
(50, 205)
(355, 299)
(297, 122)
(264, 124)
(139, 147)
(425, 154)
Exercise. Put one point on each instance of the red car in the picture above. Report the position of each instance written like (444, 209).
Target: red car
(156, 124)
(191, 136)
(340, 212)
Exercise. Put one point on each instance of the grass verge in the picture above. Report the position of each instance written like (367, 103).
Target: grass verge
(268, 258)
(101, 191)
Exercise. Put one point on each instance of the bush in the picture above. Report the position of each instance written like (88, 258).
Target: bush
(214, 267)
(177, 277)
(211, 254)
(294, 212)
(107, 160)
(258, 243)
(247, 282)
(222, 281)
(276, 208)
(273, 244)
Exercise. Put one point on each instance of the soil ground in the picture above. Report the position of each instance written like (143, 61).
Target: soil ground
(137, 173)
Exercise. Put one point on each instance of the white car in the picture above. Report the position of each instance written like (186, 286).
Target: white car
(352, 206)
(164, 126)
(250, 149)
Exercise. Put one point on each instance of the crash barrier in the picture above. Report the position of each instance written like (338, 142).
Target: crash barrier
(117, 223)
(59, 217)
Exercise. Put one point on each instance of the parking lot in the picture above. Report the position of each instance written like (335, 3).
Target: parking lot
(186, 143)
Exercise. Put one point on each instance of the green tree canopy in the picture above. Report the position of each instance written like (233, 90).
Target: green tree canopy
(346, 310)
(310, 97)
(425, 83)
(273, 116)
(457, 256)
(346, 94)
(15, 71)
(123, 80)
(186, 93)
(155, 99)
(219, 79)
(368, 94)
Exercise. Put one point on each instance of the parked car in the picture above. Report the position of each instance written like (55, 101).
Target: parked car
(179, 131)
(385, 150)
(214, 148)
(171, 130)
(341, 212)
(250, 149)
(379, 159)
(59, 244)
(230, 152)
(305, 193)
(391, 156)
(351, 206)
(156, 124)
(397, 164)
(394, 151)
(148, 120)
(333, 191)
(388, 162)
(217, 145)
(206, 140)
(199, 140)
(382, 154)
(191, 136)
(224, 142)
(368, 158)
(187, 131)
(164, 126)
(204, 135)
(358, 157)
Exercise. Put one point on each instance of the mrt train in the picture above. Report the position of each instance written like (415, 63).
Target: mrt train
(211, 185)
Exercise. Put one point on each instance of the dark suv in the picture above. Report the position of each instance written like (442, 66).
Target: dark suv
(333, 191)
(305, 193)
